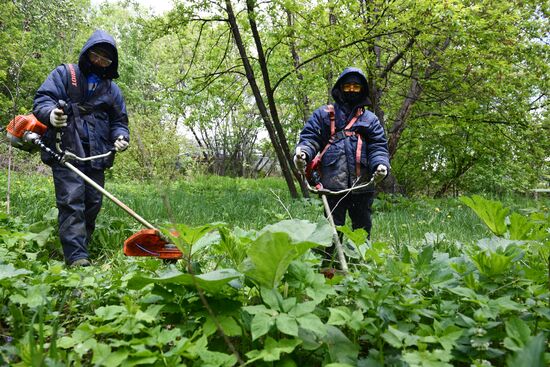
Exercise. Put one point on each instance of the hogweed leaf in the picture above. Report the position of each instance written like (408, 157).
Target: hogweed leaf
(303, 231)
(491, 212)
(270, 255)
(520, 227)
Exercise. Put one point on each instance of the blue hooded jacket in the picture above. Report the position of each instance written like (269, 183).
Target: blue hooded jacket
(338, 164)
(101, 115)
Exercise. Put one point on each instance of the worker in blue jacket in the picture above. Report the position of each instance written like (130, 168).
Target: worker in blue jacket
(352, 146)
(83, 104)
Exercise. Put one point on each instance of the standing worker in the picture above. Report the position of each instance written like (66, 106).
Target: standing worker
(352, 147)
(84, 105)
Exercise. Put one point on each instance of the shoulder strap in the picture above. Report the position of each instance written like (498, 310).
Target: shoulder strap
(330, 110)
(74, 89)
(358, 114)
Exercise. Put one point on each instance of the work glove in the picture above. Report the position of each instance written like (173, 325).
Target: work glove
(58, 118)
(300, 159)
(121, 144)
(380, 173)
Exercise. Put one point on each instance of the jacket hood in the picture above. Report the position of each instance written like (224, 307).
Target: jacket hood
(103, 38)
(337, 93)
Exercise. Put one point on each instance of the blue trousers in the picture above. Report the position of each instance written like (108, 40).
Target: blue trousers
(78, 204)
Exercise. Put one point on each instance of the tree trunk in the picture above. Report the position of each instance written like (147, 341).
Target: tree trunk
(400, 122)
(306, 111)
(281, 156)
(270, 97)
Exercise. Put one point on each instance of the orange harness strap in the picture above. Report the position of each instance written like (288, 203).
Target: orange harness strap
(330, 110)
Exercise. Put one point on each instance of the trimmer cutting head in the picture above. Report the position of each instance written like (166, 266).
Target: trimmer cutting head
(148, 242)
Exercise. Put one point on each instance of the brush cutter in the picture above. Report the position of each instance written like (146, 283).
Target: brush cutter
(25, 133)
(312, 178)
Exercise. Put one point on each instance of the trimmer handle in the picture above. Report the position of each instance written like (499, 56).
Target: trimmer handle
(61, 104)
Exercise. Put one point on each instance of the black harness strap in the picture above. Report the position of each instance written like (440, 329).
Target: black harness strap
(74, 91)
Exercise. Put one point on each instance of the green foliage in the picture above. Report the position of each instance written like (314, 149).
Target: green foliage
(490, 211)
(428, 299)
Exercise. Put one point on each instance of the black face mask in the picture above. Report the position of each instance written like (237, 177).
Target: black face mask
(351, 98)
(98, 70)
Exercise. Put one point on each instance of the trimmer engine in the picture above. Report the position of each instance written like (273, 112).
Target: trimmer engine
(24, 130)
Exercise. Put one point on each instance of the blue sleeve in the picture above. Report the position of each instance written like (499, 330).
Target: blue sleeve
(377, 145)
(118, 117)
(50, 92)
(312, 137)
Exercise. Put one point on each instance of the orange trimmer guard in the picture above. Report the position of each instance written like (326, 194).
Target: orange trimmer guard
(148, 242)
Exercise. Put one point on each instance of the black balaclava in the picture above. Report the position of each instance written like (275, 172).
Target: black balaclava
(352, 98)
(104, 48)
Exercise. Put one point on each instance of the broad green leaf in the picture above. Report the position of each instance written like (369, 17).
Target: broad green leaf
(340, 348)
(205, 242)
(8, 271)
(185, 237)
(312, 323)
(270, 255)
(339, 315)
(167, 336)
(520, 227)
(505, 304)
(531, 355)
(286, 324)
(272, 298)
(115, 359)
(41, 237)
(106, 313)
(273, 349)
(36, 295)
(216, 359)
(303, 231)
(491, 263)
(394, 337)
(261, 323)
(303, 308)
(466, 293)
(255, 309)
(66, 342)
(491, 212)
(132, 360)
(229, 326)
(150, 314)
(51, 215)
(358, 236)
(288, 304)
(436, 358)
(100, 351)
(424, 257)
(449, 336)
(85, 347)
(518, 334)
(212, 282)
(407, 338)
